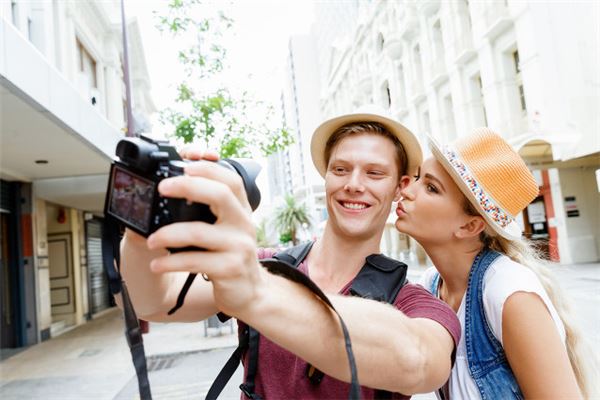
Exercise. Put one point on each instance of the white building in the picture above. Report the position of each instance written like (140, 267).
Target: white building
(62, 113)
(530, 70)
(291, 171)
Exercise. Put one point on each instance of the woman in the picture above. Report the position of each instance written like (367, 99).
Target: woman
(518, 340)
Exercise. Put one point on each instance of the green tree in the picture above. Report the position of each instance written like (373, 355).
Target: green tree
(290, 217)
(206, 110)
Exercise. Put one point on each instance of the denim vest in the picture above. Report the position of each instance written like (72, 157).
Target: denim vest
(487, 361)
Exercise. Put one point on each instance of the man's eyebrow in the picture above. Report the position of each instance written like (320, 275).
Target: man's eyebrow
(433, 178)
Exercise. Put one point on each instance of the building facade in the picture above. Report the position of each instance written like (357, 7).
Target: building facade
(63, 111)
(529, 70)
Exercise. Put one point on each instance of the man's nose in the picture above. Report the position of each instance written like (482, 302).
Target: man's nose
(354, 183)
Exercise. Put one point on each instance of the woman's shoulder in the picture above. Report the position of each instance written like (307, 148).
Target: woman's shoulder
(507, 273)
(427, 277)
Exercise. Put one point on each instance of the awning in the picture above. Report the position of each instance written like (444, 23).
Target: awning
(48, 131)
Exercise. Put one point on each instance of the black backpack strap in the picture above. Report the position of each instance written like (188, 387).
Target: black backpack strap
(248, 386)
(294, 255)
(249, 338)
(111, 237)
(381, 279)
(229, 368)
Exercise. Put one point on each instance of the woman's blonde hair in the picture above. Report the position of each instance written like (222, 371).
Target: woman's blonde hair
(583, 359)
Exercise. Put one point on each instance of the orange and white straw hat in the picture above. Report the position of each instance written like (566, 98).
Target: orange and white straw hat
(491, 175)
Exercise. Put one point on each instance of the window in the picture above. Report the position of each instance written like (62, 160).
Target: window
(402, 88)
(387, 97)
(426, 123)
(519, 81)
(449, 117)
(438, 41)
(380, 42)
(14, 9)
(87, 66)
(29, 29)
(418, 68)
(480, 87)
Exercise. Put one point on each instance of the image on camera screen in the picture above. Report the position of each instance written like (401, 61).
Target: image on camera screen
(131, 198)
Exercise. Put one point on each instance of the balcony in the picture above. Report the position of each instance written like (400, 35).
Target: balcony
(463, 48)
(409, 23)
(496, 18)
(393, 45)
(437, 71)
(428, 7)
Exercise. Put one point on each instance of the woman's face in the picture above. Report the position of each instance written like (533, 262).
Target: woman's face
(432, 209)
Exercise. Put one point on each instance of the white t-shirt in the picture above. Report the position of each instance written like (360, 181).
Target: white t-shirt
(503, 278)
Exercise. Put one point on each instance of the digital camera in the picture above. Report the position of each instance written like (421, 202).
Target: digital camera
(132, 196)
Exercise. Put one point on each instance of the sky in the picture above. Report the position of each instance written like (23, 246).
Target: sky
(257, 54)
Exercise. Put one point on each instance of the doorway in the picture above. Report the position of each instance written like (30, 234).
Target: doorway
(8, 327)
(62, 285)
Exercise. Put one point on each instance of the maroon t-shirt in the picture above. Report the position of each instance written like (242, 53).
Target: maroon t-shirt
(282, 375)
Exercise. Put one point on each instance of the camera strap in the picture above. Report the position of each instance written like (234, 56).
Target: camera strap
(111, 259)
(284, 269)
(111, 237)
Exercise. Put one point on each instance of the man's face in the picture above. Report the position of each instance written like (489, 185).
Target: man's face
(361, 182)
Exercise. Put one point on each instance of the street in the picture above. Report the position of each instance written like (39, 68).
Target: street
(93, 362)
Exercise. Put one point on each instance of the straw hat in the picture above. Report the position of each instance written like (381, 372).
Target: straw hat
(369, 113)
(492, 176)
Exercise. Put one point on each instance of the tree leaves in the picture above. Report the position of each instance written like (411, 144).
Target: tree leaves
(214, 117)
(290, 217)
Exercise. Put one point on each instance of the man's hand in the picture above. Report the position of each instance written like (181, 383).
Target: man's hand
(230, 256)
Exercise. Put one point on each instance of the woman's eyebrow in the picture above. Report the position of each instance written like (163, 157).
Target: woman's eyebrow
(433, 178)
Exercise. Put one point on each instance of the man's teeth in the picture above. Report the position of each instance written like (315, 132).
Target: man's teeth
(354, 206)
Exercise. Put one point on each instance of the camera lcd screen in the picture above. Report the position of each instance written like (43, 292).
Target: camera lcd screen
(131, 198)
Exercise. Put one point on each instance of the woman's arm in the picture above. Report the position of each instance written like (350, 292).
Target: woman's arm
(535, 351)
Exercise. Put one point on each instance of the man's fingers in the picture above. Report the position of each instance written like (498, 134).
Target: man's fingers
(194, 153)
(195, 233)
(216, 265)
(217, 195)
(222, 174)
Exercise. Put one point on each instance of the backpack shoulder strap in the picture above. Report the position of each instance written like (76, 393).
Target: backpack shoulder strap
(294, 255)
(381, 279)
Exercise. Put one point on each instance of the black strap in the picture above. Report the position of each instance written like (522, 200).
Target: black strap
(228, 369)
(381, 279)
(110, 255)
(248, 386)
(295, 255)
(248, 339)
(183, 293)
(278, 267)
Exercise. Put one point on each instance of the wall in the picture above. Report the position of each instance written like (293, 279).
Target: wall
(43, 273)
(583, 231)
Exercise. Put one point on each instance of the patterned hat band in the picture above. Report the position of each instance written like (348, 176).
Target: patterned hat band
(487, 204)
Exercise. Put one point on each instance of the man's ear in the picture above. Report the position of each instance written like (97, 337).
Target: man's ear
(403, 183)
(473, 226)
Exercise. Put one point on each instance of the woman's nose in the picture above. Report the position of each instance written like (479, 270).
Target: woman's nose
(407, 193)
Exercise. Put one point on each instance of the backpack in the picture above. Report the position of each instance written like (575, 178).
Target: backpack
(380, 279)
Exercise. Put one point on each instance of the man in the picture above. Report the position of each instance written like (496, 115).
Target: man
(405, 348)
